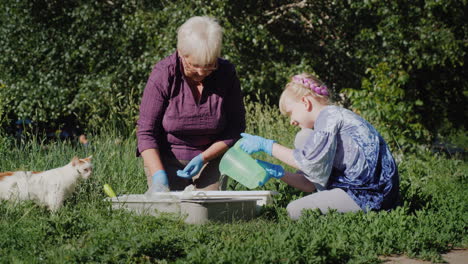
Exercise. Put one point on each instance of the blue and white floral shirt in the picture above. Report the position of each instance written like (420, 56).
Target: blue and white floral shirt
(345, 151)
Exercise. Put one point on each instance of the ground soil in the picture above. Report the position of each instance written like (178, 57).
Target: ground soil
(456, 256)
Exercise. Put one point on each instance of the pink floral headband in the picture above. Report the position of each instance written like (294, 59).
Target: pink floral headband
(319, 89)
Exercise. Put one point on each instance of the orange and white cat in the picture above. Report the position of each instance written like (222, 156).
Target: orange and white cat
(49, 188)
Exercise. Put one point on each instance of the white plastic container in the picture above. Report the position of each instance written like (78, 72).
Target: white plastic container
(203, 206)
(262, 197)
(200, 211)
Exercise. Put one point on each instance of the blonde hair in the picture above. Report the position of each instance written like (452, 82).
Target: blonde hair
(200, 37)
(296, 89)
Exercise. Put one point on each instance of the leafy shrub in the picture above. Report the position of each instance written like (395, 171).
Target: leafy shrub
(384, 102)
(424, 40)
(5, 106)
(87, 62)
(341, 40)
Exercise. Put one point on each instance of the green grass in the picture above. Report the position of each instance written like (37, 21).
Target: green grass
(431, 221)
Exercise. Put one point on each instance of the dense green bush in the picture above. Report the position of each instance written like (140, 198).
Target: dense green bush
(87, 62)
(74, 60)
(4, 108)
(418, 48)
(388, 108)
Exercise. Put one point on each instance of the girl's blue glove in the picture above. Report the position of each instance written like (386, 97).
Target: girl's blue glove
(272, 170)
(252, 144)
(192, 168)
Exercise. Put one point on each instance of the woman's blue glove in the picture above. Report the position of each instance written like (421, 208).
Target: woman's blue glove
(160, 177)
(252, 144)
(192, 168)
(272, 170)
(160, 182)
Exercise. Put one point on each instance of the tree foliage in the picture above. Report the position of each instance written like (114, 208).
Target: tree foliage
(88, 61)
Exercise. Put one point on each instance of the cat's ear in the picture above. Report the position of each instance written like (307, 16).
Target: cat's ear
(88, 159)
(75, 161)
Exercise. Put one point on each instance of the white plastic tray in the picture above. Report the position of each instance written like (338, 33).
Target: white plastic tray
(201, 207)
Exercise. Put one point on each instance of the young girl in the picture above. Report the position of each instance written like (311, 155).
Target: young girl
(344, 158)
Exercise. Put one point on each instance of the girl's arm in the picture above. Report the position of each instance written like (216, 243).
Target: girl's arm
(298, 181)
(284, 154)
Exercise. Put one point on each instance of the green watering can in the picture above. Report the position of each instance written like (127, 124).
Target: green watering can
(240, 166)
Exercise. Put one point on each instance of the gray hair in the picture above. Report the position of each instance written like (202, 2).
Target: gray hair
(200, 37)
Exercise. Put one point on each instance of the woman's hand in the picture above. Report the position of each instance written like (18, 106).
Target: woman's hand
(192, 168)
(160, 183)
(252, 144)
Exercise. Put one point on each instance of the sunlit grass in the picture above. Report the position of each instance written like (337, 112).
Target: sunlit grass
(431, 221)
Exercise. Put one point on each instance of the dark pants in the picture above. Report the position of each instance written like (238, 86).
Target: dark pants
(207, 179)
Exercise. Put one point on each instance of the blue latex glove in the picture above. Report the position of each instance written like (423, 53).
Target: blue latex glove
(252, 144)
(160, 177)
(160, 183)
(272, 170)
(192, 168)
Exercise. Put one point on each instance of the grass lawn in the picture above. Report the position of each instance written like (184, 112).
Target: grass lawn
(432, 220)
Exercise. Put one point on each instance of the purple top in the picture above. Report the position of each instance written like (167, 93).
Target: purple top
(173, 122)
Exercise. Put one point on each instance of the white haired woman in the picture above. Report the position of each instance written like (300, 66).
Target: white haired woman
(191, 111)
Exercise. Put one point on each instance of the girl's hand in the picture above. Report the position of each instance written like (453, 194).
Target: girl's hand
(273, 170)
(252, 144)
(192, 169)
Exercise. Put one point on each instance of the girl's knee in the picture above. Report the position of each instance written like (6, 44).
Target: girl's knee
(294, 209)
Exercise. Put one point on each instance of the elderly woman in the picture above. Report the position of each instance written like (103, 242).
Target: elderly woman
(191, 111)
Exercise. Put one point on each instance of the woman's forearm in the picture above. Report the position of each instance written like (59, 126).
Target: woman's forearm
(152, 160)
(215, 150)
